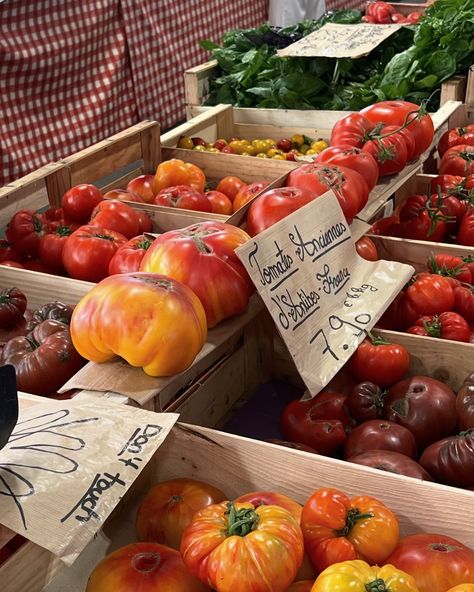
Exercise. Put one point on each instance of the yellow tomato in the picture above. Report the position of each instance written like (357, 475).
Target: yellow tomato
(261, 155)
(238, 146)
(245, 142)
(200, 148)
(304, 148)
(271, 142)
(250, 150)
(297, 139)
(185, 142)
(273, 152)
(260, 145)
(278, 157)
(212, 149)
(462, 588)
(319, 145)
(311, 151)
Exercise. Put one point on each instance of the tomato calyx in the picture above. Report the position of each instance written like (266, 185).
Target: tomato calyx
(434, 213)
(63, 231)
(443, 270)
(377, 585)
(385, 153)
(469, 156)
(160, 282)
(146, 562)
(240, 522)
(433, 326)
(353, 515)
(37, 224)
(144, 244)
(377, 339)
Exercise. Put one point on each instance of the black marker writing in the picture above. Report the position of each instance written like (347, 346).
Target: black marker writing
(333, 283)
(276, 273)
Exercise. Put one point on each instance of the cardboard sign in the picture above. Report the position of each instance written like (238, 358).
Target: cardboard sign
(67, 465)
(340, 41)
(322, 296)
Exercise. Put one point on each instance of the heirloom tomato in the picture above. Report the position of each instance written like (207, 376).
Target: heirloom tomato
(8, 252)
(437, 562)
(366, 249)
(380, 434)
(353, 158)
(352, 130)
(144, 222)
(87, 252)
(458, 160)
(399, 113)
(450, 266)
(171, 173)
(462, 588)
(365, 401)
(456, 460)
(337, 528)
(381, 12)
(12, 307)
(142, 186)
(123, 195)
(79, 202)
(183, 197)
(392, 462)
(220, 203)
(302, 586)
(359, 576)
(466, 230)
(348, 185)
(202, 257)
(449, 184)
(456, 136)
(44, 359)
(230, 186)
(168, 508)
(51, 247)
(269, 498)
(247, 193)
(117, 216)
(427, 407)
(24, 232)
(234, 547)
(389, 152)
(55, 311)
(404, 133)
(430, 294)
(143, 567)
(379, 361)
(54, 214)
(447, 325)
(274, 205)
(129, 256)
(465, 405)
(150, 320)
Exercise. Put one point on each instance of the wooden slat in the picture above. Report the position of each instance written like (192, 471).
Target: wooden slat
(151, 148)
(204, 125)
(470, 88)
(453, 89)
(197, 82)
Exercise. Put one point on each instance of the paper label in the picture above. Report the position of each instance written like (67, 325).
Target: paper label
(66, 467)
(340, 41)
(322, 296)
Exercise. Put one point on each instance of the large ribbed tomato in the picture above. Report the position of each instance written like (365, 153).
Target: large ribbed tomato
(338, 528)
(202, 257)
(150, 320)
(143, 567)
(169, 506)
(235, 547)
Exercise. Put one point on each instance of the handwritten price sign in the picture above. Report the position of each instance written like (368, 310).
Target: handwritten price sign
(66, 466)
(322, 296)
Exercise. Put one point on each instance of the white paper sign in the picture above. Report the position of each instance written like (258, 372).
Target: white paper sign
(322, 296)
(340, 41)
(67, 465)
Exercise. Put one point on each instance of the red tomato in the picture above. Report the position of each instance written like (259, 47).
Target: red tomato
(274, 205)
(437, 562)
(392, 462)
(466, 230)
(454, 209)
(51, 247)
(464, 302)
(351, 130)
(380, 434)
(8, 252)
(128, 257)
(418, 330)
(144, 567)
(183, 197)
(7, 263)
(247, 193)
(366, 249)
(384, 226)
(349, 186)
(230, 186)
(381, 12)
(379, 361)
(220, 203)
(352, 158)
(79, 202)
(430, 294)
(365, 401)
(270, 498)
(398, 113)
(427, 407)
(88, 251)
(390, 153)
(53, 214)
(144, 222)
(458, 160)
(450, 266)
(142, 186)
(24, 232)
(455, 137)
(448, 325)
(168, 508)
(117, 216)
(450, 184)
(406, 134)
(124, 195)
(202, 257)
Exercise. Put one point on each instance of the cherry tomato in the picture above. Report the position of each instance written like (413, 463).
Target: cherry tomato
(79, 202)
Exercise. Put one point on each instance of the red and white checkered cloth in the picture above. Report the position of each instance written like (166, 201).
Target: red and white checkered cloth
(74, 72)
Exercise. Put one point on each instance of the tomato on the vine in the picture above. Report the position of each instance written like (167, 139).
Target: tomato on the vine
(353, 158)
(447, 325)
(450, 266)
(466, 230)
(430, 294)
(455, 137)
(458, 160)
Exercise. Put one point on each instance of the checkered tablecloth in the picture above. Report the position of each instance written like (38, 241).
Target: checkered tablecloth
(76, 71)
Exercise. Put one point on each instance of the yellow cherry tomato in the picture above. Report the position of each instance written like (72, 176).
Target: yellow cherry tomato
(311, 151)
(319, 145)
(261, 155)
(273, 152)
(185, 142)
(298, 140)
(200, 148)
(237, 146)
(279, 157)
(246, 142)
(212, 149)
(250, 150)
(304, 148)
(260, 145)
(271, 142)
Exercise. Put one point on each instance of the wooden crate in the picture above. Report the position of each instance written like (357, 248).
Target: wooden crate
(238, 465)
(226, 121)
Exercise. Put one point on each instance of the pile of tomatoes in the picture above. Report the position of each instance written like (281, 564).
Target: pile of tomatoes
(194, 539)
(371, 414)
(438, 302)
(382, 13)
(283, 149)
